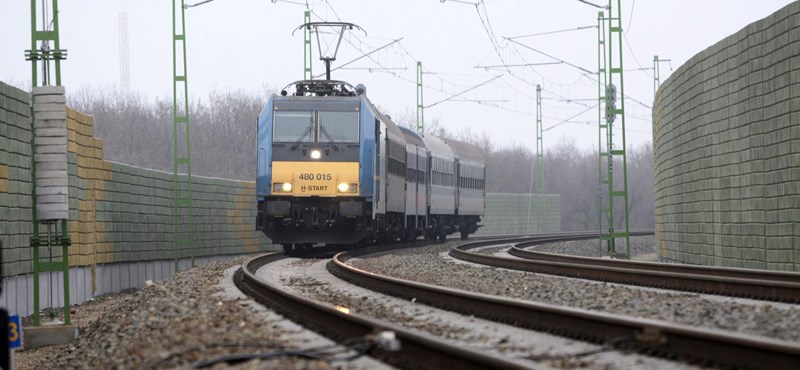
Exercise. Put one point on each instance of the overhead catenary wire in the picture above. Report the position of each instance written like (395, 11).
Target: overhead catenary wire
(451, 95)
(570, 118)
(496, 47)
(630, 17)
(187, 6)
(594, 5)
(506, 66)
(464, 2)
(362, 56)
(427, 86)
(462, 92)
(405, 55)
(552, 32)
(365, 54)
(489, 32)
(371, 69)
(305, 4)
(550, 56)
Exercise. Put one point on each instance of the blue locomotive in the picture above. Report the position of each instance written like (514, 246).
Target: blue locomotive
(332, 169)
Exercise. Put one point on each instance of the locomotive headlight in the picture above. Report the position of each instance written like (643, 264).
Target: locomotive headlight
(282, 187)
(347, 187)
(316, 154)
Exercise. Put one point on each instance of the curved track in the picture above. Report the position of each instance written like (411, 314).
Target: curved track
(416, 350)
(756, 284)
(708, 346)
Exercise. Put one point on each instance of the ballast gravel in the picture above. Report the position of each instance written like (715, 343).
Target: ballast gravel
(310, 278)
(196, 315)
(640, 246)
(433, 265)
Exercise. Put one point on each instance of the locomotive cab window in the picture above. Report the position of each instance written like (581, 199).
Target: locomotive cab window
(293, 126)
(338, 127)
(315, 127)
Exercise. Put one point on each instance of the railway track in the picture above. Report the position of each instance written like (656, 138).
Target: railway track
(706, 346)
(416, 350)
(756, 284)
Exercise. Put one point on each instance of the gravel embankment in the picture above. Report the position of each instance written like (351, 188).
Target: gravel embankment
(432, 265)
(640, 245)
(196, 315)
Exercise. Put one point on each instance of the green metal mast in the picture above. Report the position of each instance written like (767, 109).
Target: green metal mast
(603, 215)
(540, 211)
(616, 82)
(657, 73)
(307, 75)
(656, 78)
(420, 106)
(183, 225)
(45, 54)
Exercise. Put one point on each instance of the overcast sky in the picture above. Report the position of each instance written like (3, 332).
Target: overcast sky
(248, 44)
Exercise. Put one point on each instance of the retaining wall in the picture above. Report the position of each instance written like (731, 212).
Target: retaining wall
(516, 214)
(120, 218)
(727, 150)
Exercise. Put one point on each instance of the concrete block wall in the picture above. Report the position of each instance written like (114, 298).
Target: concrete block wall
(15, 180)
(120, 219)
(123, 213)
(514, 214)
(727, 150)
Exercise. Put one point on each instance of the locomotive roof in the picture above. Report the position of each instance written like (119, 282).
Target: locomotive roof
(339, 103)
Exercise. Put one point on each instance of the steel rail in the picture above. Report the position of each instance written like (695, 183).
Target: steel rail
(780, 276)
(417, 350)
(709, 346)
(634, 273)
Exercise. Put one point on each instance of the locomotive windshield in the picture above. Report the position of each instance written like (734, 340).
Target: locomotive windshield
(338, 127)
(315, 127)
(295, 126)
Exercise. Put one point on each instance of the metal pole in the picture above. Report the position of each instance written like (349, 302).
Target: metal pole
(602, 163)
(420, 106)
(656, 81)
(183, 224)
(307, 75)
(539, 162)
(622, 192)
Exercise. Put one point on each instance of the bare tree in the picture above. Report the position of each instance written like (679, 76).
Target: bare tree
(138, 131)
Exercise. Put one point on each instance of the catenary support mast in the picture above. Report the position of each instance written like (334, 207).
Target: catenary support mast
(618, 192)
(603, 216)
(182, 222)
(541, 209)
(307, 74)
(46, 231)
(420, 106)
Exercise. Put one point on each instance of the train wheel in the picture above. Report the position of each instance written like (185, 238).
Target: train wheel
(442, 237)
(287, 248)
(464, 235)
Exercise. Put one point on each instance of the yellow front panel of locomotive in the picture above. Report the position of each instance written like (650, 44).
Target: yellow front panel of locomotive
(314, 178)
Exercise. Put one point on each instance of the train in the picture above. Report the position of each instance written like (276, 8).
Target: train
(334, 170)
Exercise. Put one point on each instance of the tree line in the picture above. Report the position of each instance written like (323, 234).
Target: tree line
(137, 130)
